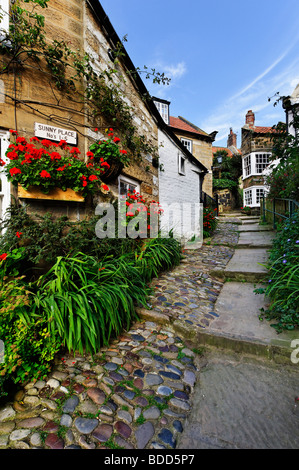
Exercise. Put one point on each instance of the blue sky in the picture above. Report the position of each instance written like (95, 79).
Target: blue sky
(224, 57)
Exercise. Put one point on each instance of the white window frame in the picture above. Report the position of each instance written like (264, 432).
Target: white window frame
(5, 192)
(262, 164)
(255, 199)
(163, 109)
(247, 166)
(128, 181)
(187, 143)
(249, 163)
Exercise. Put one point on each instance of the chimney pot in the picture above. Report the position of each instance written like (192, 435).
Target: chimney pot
(250, 118)
(232, 139)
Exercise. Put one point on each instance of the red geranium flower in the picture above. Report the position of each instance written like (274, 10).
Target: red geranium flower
(14, 171)
(93, 178)
(45, 174)
(3, 256)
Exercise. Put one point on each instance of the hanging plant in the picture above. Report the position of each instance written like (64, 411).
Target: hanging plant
(108, 154)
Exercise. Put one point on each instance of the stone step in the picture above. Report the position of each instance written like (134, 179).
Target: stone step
(245, 265)
(254, 227)
(238, 325)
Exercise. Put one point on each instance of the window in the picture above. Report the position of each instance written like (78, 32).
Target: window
(261, 162)
(259, 195)
(248, 197)
(255, 163)
(182, 166)
(247, 166)
(163, 110)
(253, 196)
(187, 143)
(127, 185)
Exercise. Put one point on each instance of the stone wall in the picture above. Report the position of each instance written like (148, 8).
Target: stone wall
(226, 200)
(254, 142)
(32, 97)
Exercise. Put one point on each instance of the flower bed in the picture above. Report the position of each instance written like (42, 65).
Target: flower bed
(85, 297)
(209, 221)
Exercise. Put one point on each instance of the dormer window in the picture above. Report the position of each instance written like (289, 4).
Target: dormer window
(163, 108)
(187, 143)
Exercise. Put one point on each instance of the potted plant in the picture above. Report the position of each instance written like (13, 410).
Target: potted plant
(108, 154)
(49, 170)
(246, 210)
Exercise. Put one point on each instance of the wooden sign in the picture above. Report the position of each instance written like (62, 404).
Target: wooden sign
(46, 131)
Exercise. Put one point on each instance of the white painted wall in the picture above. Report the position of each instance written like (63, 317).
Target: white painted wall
(175, 188)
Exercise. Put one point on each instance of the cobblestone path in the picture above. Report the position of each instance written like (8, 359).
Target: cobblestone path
(137, 393)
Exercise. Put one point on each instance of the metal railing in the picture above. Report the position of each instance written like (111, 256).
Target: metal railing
(288, 206)
(208, 201)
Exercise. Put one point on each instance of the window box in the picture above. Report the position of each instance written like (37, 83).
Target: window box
(55, 194)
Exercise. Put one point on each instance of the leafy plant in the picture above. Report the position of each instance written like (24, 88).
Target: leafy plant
(209, 221)
(29, 350)
(87, 301)
(283, 277)
(108, 150)
(156, 255)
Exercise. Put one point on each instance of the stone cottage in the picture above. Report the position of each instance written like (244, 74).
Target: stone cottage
(256, 152)
(55, 92)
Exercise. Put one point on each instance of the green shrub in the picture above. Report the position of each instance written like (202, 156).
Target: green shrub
(283, 277)
(158, 254)
(87, 302)
(29, 350)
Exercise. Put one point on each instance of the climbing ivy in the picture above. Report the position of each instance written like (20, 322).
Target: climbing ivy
(26, 45)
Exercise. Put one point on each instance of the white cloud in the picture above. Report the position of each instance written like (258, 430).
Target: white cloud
(231, 113)
(172, 71)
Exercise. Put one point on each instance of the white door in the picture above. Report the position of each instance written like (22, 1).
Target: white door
(4, 184)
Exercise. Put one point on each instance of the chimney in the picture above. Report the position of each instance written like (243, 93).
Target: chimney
(250, 118)
(232, 139)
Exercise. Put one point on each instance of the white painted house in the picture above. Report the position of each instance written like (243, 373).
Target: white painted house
(180, 182)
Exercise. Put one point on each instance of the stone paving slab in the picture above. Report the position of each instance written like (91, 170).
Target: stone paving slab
(258, 239)
(246, 264)
(238, 325)
(243, 402)
(254, 228)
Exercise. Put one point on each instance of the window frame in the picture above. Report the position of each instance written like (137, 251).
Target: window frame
(181, 165)
(254, 195)
(128, 181)
(251, 167)
(189, 142)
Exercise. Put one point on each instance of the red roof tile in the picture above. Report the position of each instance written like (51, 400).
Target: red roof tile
(180, 124)
(230, 153)
(263, 130)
